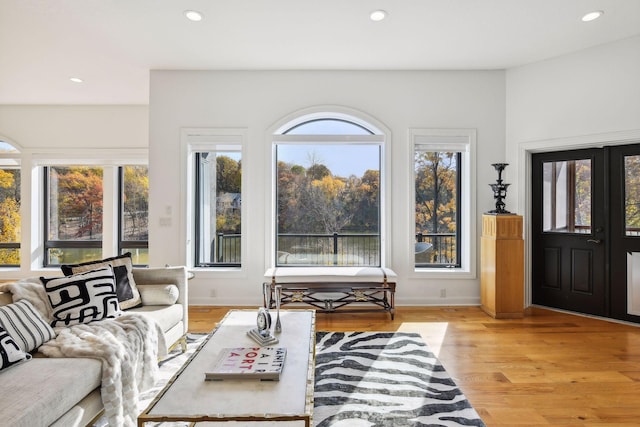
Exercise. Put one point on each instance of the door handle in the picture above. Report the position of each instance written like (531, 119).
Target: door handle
(594, 241)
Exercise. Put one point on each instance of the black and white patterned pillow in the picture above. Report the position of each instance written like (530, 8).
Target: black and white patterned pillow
(10, 352)
(25, 325)
(128, 294)
(83, 297)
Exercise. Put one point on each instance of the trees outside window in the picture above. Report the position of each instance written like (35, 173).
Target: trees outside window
(74, 213)
(567, 196)
(328, 195)
(134, 213)
(444, 201)
(632, 195)
(437, 209)
(10, 220)
(9, 217)
(218, 230)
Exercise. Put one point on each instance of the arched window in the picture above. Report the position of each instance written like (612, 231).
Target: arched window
(328, 191)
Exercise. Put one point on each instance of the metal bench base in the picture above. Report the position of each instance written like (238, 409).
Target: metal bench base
(329, 297)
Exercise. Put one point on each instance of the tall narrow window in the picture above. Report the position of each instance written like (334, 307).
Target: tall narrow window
(218, 225)
(74, 214)
(443, 206)
(437, 208)
(328, 194)
(9, 206)
(134, 213)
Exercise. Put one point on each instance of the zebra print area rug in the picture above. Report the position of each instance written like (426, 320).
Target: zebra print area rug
(363, 379)
(384, 379)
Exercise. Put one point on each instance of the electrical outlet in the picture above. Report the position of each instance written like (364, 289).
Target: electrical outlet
(443, 293)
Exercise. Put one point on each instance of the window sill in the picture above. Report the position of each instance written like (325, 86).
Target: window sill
(217, 272)
(442, 273)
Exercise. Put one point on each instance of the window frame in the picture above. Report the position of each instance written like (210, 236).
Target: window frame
(108, 159)
(198, 210)
(461, 140)
(307, 139)
(12, 164)
(108, 204)
(63, 244)
(12, 160)
(128, 244)
(459, 228)
(381, 135)
(194, 140)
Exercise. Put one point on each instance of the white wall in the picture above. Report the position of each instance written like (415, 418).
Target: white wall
(78, 126)
(565, 101)
(257, 100)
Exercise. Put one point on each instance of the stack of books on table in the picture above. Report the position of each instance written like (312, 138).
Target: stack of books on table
(258, 363)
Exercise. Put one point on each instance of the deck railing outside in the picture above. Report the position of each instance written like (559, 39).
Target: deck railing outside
(346, 249)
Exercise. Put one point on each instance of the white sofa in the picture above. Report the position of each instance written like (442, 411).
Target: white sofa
(65, 392)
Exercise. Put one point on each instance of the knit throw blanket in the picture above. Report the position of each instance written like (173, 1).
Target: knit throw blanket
(128, 347)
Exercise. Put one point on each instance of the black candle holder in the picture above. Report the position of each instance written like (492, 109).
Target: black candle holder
(499, 190)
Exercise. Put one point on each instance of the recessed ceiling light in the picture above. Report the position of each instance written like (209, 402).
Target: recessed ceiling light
(591, 16)
(193, 15)
(76, 79)
(378, 15)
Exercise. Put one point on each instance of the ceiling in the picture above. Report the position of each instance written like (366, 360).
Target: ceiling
(112, 44)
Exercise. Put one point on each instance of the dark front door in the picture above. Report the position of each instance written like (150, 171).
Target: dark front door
(569, 231)
(625, 232)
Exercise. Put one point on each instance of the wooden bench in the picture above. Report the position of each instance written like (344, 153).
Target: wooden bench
(348, 289)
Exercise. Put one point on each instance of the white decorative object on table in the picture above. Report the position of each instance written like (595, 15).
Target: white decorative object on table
(262, 334)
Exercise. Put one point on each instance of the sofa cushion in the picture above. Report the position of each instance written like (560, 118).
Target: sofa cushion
(159, 294)
(10, 352)
(128, 294)
(83, 297)
(41, 391)
(165, 316)
(25, 325)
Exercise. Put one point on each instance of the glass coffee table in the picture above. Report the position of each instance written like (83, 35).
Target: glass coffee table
(289, 401)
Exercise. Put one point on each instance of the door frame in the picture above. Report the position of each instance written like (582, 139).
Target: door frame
(524, 167)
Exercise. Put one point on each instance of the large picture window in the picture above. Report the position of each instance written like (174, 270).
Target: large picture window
(328, 194)
(74, 213)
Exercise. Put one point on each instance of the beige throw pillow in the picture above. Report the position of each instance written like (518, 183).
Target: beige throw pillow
(159, 294)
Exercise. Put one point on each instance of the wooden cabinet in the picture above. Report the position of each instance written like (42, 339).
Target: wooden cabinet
(502, 266)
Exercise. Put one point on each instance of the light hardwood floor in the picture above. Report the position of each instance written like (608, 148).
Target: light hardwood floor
(546, 369)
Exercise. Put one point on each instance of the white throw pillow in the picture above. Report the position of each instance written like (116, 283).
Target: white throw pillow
(159, 294)
(25, 325)
(82, 298)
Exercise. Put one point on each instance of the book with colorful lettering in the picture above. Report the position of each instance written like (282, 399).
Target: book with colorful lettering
(263, 363)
